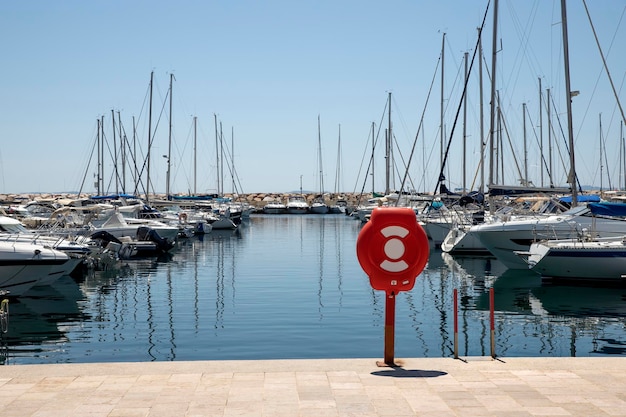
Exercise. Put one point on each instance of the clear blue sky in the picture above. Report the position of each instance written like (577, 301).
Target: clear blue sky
(266, 70)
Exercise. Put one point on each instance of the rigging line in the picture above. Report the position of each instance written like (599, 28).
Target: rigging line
(458, 110)
(93, 148)
(508, 137)
(606, 68)
(524, 53)
(365, 152)
(419, 128)
(374, 142)
(566, 146)
(541, 156)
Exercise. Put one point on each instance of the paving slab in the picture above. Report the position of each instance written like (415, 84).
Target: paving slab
(504, 387)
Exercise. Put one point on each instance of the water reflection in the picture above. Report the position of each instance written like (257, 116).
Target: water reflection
(41, 320)
(562, 320)
(291, 287)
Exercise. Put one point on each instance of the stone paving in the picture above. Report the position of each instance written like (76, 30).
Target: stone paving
(505, 387)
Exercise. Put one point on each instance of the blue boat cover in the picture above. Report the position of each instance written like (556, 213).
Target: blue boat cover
(591, 198)
(112, 196)
(608, 209)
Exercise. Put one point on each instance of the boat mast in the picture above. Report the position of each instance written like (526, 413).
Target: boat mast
(525, 146)
(98, 175)
(388, 150)
(465, 131)
(169, 145)
(600, 137)
(482, 119)
(232, 157)
(372, 162)
(123, 143)
(217, 153)
(493, 100)
(338, 170)
(147, 189)
(569, 94)
(319, 155)
(195, 152)
(441, 133)
(549, 114)
(621, 136)
(541, 132)
(117, 182)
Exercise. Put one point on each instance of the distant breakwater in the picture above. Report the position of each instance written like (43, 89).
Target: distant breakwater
(257, 200)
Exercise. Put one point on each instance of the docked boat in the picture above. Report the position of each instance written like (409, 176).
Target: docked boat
(506, 237)
(119, 226)
(76, 247)
(147, 242)
(585, 258)
(296, 204)
(24, 265)
(319, 206)
(274, 207)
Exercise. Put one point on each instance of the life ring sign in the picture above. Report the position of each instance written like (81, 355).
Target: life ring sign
(392, 249)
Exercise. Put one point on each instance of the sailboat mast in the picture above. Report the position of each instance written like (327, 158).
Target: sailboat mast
(541, 132)
(441, 133)
(388, 149)
(169, 145)
(568, 92)
(232, 157)
(465, 131)
(117, 182)
(217, 153)
(482, 119)
(147, 189)
(600, 137)
(319, 155)
(338, 170)
(494, 52)
(621, 135)
(99, 176)
(549, 114)
(372, 162)
(123, 143)
(195, 153)
(525, 146)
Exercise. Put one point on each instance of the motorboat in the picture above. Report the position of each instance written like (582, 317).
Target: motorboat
(505, 238)
(274, 207)
(147, 242)
(296, 204)
(120, 226)
(584, 258)
(76, 247)
(24, 265)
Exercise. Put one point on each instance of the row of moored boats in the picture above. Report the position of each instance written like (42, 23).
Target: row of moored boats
(43, 240)
(546, 234)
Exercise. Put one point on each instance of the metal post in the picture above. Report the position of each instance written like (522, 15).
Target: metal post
(492, 323)
(390, 320)
(456, 324)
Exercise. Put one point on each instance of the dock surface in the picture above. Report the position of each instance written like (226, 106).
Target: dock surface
(504, 387)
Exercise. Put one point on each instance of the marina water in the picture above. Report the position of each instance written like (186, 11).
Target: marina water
(290, 286)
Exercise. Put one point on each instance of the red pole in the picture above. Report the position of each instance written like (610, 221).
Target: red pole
(456, 324)
(390, 323)
(492, 325)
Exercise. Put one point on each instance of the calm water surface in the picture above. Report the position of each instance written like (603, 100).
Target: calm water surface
(291, 287)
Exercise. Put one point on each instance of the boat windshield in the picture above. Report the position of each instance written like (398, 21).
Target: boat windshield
(577, 211)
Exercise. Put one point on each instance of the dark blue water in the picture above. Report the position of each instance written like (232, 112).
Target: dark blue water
(291, 287)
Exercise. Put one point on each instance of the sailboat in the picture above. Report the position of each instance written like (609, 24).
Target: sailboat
(507, 239)
(318, 205)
